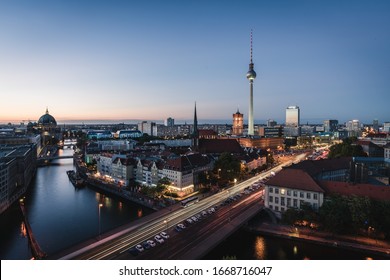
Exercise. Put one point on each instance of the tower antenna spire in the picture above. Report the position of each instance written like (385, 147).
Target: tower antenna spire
(251, 45)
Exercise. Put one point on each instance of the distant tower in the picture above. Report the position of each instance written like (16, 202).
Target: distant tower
(195, 132)
(238, 123)
(251, 75)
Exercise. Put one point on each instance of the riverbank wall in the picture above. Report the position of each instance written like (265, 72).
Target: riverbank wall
(354, 243)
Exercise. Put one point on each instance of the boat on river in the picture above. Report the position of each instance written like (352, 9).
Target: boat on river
(75, 178)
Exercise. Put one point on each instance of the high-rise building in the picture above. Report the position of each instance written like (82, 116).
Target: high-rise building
(292, 116)
(169, 122)
(271, 123)
(331, 125)
(353, 125)
(251, 75)
(354, 128)
(375, 125)
(147, 127)
(238, 123)
(386, 127)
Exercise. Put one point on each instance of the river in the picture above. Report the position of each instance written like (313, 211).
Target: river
(61, 215)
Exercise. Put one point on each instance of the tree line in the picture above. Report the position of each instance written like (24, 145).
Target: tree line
(346, 214)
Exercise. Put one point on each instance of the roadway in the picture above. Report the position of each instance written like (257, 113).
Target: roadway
(116, 245)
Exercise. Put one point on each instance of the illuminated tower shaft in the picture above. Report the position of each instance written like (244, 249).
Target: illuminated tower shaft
(251, 128)
(251, 75)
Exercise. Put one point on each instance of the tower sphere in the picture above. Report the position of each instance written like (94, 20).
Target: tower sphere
(251, 74)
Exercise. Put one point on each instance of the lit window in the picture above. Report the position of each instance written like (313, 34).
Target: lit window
(282, 191)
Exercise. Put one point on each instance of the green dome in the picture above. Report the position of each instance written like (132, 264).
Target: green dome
(47, 119)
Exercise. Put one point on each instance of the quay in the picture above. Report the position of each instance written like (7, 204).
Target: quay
(36, 250)
(355, 243)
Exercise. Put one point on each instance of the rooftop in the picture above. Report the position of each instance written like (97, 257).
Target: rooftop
(295, 179)
(367, 190)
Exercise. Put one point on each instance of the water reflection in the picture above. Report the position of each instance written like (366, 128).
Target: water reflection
(295, 250)
(23, 230)
(260, 248)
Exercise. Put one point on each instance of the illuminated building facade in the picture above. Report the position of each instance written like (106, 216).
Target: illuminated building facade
(238, 123)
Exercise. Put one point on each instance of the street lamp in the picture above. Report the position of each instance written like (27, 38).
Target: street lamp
(99, 206)
(166, 224)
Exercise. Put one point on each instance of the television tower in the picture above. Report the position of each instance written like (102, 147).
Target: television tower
(251, 75)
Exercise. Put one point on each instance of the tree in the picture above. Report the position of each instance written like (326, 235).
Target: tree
(346, 149)
(359, 208)
(227, 166)
(290, 216)
(162, 186)
(335, 215)
(380, 217)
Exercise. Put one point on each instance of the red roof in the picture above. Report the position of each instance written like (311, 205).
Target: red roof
(204, 132)
(315, 167)
(187, 162)
(219, 146)
(348, 189)
(295, 179)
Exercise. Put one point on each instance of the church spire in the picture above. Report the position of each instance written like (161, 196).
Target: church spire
(195, 121)
(195, 132)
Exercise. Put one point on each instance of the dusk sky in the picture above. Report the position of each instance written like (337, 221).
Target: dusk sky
(151, 60)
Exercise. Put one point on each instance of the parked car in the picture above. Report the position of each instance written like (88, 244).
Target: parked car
(159, 239)
(178, 229)
(133, 251)
(181, 226)
(139, 248)
(146, 245)
(164, 235)
(151, 243)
